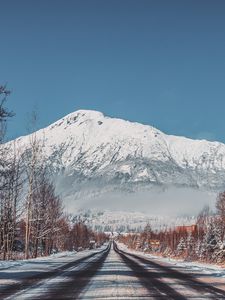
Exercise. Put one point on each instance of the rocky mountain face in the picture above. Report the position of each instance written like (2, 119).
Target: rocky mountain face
(91, 154)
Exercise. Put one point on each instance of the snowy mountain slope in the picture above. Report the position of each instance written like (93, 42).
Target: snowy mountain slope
(121, 221)
(91, 154)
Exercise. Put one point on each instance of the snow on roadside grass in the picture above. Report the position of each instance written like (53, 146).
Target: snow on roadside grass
(6, 264)
(209, 269)
(14, 272)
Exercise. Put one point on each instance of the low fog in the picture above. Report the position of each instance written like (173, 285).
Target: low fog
(172, 201)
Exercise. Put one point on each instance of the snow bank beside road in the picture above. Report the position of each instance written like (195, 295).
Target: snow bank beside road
(208, 269)
(5, 264)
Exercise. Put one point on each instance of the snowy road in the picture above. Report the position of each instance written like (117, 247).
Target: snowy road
(111, 274)
(164, 281)
(59, 278)
(126, 275)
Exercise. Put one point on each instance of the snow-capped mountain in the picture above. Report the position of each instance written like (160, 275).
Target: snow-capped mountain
(91, 154)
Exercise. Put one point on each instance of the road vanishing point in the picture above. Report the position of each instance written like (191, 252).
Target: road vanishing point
(109, 273)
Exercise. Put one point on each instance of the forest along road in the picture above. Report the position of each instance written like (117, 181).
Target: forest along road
(108, 273)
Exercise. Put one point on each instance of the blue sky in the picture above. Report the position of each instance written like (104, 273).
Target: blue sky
(157, 62)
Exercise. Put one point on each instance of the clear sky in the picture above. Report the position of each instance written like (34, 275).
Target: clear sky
(157, 62)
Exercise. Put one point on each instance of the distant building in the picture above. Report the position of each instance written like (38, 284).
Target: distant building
(154, 244)
(187, 228)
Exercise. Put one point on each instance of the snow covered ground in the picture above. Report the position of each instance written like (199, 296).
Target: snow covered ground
(205, 268)
(6, 264)
(208, 273)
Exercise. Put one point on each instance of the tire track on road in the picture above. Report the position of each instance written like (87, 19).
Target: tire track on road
(79, 279)
(148, 279)
(39, 279)
(187, 280)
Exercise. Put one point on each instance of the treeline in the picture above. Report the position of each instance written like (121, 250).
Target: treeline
(202, 241)
(32, 220)
(66, 237)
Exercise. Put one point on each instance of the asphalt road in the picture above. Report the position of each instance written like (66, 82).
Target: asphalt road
(112, 274)
(64, 282)
(165, 282)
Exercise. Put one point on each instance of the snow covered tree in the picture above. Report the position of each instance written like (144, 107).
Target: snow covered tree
(211, 241)
(146, 237)
(181, 247)
(220, 206)
(190, 246)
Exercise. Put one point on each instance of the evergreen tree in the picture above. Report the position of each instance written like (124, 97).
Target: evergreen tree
(181, 247)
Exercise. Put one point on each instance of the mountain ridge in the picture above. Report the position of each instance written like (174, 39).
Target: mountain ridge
(92, 154)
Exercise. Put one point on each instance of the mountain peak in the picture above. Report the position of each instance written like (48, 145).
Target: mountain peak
(86, 149)
(79, 115)
(87, 113)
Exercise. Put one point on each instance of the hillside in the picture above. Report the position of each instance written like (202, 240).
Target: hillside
(91, 155)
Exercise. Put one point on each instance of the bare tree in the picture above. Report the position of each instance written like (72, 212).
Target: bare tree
(10, 202)
(9, 181)
(32, 162)
(4, 112)
(47, 212)
(43, 206)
